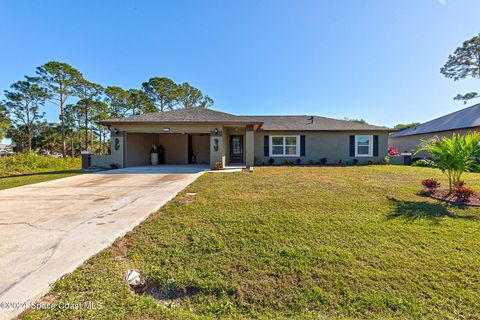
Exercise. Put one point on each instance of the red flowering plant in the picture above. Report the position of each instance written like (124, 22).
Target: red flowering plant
(430, 185)
(392, 151)
(463, 194)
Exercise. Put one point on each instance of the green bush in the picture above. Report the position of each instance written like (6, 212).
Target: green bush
(32, 162)
(423, 163)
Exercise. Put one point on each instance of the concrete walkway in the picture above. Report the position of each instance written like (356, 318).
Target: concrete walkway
(48, 229)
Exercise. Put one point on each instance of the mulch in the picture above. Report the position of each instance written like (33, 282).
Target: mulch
(447, 196)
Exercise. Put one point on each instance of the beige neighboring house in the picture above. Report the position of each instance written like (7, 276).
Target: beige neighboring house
(206, 136)
(461, 122)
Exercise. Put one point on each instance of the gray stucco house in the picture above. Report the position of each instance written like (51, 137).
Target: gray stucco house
(208, 136)
(461, 122)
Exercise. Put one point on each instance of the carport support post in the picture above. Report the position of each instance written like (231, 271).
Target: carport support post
(249, 147)
(118, 150)
(217, 149)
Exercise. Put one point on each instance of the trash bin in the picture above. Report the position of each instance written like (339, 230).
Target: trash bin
(407, 158)
(86, 162)
(161, 154)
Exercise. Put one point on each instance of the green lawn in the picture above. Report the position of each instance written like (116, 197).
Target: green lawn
(26, 168)
(29, 178)
(293, 242)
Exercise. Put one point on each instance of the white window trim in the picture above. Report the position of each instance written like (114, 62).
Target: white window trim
(370, 146)
(285, 155)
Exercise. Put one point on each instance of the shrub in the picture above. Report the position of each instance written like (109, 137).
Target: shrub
(218, 165)
(340, 161)
(431, 184)
(298, 161)
(393, 151)
(423, 163)
(33, 162)
(114, 166)
(285, 162)
(463, 194)
(271, 161)
(311, 162)
(323, 161)
(355, 161)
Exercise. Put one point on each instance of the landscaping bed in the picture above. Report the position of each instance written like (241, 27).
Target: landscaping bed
(458, 194)
(450, 197)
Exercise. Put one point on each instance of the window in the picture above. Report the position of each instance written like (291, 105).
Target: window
(363, 146)
(284, 146)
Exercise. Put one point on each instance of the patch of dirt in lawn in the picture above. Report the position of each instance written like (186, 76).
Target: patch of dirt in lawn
(189, 198)
(166, 293)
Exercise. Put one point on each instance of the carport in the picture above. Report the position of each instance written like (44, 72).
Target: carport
(188, 136)
(179, 148)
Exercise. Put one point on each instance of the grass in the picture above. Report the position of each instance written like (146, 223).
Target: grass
(290, 242)
(28, 168)
(30, 178)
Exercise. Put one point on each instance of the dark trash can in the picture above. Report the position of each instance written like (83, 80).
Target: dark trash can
(161, 154)
(86, 162)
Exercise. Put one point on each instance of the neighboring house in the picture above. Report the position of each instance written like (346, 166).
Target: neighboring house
(461, 122)
(210, 136)
(5, 149)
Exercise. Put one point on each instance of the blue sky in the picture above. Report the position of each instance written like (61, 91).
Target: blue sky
(377, 60)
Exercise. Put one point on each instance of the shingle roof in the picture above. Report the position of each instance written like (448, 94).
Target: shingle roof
(275, 123)
(179, 115)
(303, 123)
(461, 119)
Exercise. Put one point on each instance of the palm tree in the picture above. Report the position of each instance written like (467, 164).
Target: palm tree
(455, 155)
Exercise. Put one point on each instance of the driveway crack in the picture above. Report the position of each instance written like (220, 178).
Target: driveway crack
(30, 225)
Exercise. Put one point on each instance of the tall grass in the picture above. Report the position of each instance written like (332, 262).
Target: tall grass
(32, 162)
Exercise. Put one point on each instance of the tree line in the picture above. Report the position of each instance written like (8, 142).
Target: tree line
(81, 104)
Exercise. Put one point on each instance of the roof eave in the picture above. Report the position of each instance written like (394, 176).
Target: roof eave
(436, 131)
(110, 123)
(333, 130)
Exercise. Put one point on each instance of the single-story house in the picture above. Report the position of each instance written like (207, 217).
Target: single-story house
(201, 135)
(460, 122)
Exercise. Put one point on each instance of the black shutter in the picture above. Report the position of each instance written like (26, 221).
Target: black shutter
(375, 146)
(266, 149)
(352, 146)
(302, 146)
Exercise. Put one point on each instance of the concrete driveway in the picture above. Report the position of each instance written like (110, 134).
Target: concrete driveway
(48, 229)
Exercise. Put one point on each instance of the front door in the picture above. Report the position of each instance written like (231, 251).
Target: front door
(236, 149)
